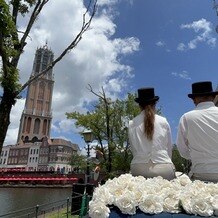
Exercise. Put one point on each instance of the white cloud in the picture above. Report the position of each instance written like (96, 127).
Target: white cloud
(11, 136)
(160, 43)
(211, 42)
(163, 45)
(107, 2)
(203, 29)
(84, 152)
(181, 47)
(66, 125)
(183, 75)
(95, 61)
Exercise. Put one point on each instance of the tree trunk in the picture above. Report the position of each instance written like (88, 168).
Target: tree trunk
(7, 102)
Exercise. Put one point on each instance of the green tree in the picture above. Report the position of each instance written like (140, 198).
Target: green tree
(181, 164)
(108, 122)
(78, 161)
(12, 47)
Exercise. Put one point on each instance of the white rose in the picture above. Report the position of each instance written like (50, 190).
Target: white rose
(124, 179)
(151, 204)
(199, 185)
(127, 192)
(215, 205)
(196, 188)
(138, 195)
(212, 188)
(202, 207)
(126, 203)
(139, 179)
(183, 180)
(117, 191)
(186, 202)
(97, 209)
(102, 194)
(150, 186)
(171, 205)
(171, 200)
(132, 186)
(192, 196)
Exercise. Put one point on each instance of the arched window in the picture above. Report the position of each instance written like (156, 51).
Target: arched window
(49, 92)
(24, 124)
(28, 124)
(41, 90)
(36, 126)
(44, 127)
(34, 139)
(26, 139)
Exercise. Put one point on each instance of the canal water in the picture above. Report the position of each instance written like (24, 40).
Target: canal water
(12, 199)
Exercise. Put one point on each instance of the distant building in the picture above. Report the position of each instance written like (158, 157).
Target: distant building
(35, 150)
(36, 118)
(4, 156)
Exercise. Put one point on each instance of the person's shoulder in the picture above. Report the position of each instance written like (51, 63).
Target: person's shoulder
(188, 115)
(136, 120)
(161, 118)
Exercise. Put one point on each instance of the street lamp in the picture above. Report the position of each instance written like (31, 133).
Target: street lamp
(88, 137)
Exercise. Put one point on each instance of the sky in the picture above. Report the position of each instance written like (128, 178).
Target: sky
(131, 44)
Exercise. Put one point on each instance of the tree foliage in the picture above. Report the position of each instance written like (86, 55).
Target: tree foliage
(108, 121)
(78, 161)
(12, 47)
(181, 164)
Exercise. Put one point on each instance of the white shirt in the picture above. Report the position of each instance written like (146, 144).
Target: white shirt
(197, 138)
(159, 150)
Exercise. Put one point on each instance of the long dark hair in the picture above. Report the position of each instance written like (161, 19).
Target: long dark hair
(149, 119)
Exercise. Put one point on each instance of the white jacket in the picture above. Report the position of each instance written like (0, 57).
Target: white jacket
(197, 137)
(159, 150)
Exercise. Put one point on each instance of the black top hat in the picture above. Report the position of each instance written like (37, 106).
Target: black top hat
(202, 89)
(146, 96)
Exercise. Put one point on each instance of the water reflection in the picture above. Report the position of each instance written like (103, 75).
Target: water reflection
(19, 198)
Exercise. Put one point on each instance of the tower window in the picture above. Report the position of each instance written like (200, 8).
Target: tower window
(36, 126)
(28, 125)
(24, 124)
(41, 90)
(44, 127)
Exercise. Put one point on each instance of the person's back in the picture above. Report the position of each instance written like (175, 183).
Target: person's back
(159, 150)
(150, 139)
(197, 138)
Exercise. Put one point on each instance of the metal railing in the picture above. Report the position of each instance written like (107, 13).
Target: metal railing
(40, 211)
(77, 204)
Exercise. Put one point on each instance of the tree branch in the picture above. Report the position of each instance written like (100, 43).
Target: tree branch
(37, 9)
(92, 91)
(72, 45)
(15, 10)
(3, 54)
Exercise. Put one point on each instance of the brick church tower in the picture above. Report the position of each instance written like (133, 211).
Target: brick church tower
(35, 122)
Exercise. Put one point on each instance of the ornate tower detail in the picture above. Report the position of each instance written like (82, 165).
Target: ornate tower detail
(36, 118)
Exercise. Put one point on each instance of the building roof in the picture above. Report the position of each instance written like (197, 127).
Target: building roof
(59, 141)
(21, 146)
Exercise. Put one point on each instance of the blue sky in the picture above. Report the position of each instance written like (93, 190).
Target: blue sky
(158, 63)
(131, 44)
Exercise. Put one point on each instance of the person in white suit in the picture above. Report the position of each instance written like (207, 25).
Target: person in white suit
(150, 139)
(197, 138)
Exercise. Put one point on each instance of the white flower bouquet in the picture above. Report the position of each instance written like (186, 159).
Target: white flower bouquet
(154, 195)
